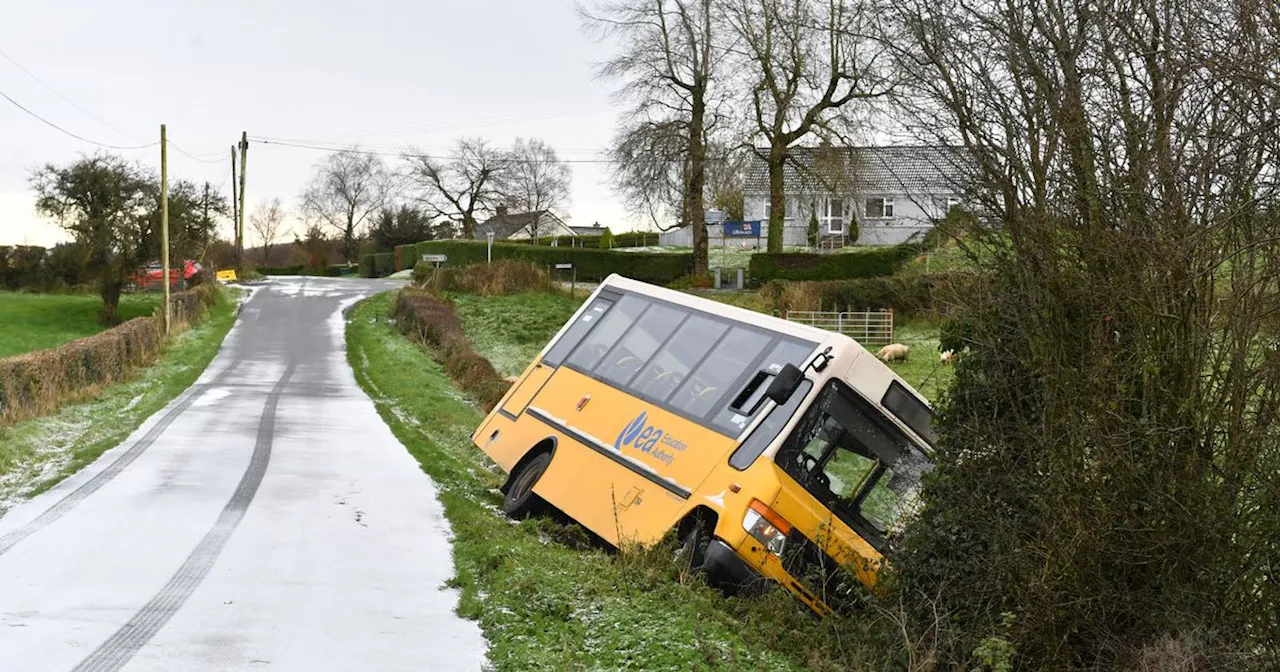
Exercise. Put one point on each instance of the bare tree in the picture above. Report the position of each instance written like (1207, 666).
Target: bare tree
(266, 221)
(461, 187)
(665, 63)
(346, 189)
(535, 180)
(1108, 464)
(807, 60)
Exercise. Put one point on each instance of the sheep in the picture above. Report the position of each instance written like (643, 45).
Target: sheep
(893, 352)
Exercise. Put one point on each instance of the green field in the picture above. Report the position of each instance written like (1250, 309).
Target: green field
(38, 321)
(545, 595)
(35, 454)
(510, 330)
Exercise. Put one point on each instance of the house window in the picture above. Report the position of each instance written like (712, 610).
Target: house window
(831, 215)
(879, 208)
(790, 208)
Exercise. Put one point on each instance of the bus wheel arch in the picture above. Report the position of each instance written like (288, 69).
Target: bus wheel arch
(694, 533)
(519, 499)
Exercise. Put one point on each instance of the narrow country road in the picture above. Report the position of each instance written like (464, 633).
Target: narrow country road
(266, 519)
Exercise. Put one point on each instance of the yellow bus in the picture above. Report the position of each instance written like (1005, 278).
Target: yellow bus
(777, 452)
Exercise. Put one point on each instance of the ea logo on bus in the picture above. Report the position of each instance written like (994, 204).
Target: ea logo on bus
(631, 431)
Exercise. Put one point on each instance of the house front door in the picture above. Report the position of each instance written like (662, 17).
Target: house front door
(833, 215)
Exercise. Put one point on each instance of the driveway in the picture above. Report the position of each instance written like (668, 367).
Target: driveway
(266, 519)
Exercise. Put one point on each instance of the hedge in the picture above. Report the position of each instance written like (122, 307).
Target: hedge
(910, 295)
(42, 269)
(39, 382)
(591, 265)
(377, 265)
(431, 320)
(327, 271)
(868, 263)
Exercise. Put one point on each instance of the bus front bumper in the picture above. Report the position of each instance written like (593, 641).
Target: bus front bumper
(726, 569)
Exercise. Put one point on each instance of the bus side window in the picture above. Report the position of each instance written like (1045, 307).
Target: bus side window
(639, 344)
(670, 366)
(612, 326)
(786, 351)
(589, 318)
(768, 429)
(711, 380)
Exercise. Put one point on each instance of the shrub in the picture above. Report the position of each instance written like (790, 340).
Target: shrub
(808, 266)
(591, 265)
(607, 241)
(692, 282)
(39, 382)
(813, 228)
(431, 319)
(508, 276)
(854, 231)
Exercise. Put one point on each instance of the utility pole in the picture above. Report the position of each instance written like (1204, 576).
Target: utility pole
(164, 223)
(235, 212)
(244, 157)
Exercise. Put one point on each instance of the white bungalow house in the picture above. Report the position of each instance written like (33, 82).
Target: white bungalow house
(896, 193)
(521, 225)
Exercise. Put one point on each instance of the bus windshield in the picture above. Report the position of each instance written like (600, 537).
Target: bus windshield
(855, 461)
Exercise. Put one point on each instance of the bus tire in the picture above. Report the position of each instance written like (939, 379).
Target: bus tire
(695, 537)
(521, 501)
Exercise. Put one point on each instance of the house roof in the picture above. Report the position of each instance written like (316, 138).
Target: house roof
(507, 224)
(588, 230)
(865, 170)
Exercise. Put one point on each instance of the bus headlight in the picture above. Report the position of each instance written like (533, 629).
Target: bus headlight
(766, 526)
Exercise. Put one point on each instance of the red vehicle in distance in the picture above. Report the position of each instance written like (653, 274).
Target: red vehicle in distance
(151, 277)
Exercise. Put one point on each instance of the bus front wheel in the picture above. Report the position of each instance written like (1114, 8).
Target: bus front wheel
(521, 501)
(695, 537)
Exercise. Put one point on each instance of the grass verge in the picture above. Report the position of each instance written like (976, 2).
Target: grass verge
(36, 454)
(544, 595)
(30, 322)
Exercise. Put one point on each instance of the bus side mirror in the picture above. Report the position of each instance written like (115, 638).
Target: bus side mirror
(784, 384)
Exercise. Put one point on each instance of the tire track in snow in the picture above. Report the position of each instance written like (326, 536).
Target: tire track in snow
(69, 502)
(121, 647)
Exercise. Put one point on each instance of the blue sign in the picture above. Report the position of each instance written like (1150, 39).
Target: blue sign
(742, 229)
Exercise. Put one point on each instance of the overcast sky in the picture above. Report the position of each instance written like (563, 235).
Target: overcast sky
(380, 73)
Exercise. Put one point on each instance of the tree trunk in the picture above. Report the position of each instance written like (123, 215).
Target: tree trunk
(777, 198)
(468, 227)
(696, 184)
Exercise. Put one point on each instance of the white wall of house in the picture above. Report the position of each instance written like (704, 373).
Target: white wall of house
(895, 219)
(548, 227)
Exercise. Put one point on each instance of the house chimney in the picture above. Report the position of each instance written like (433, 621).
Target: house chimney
(502, 210)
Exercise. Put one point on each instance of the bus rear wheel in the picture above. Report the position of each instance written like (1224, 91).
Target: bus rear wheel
(521, 501)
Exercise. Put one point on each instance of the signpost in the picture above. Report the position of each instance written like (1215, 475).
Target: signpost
(573, 277)
(436, 260)
(489, 235)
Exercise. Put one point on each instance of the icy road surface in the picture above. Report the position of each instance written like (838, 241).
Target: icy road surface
(265, 520)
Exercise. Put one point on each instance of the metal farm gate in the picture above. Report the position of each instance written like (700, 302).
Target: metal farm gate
(872, 327)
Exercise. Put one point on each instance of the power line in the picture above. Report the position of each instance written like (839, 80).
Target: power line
(89, 114)
(469, 123)
(81, 138)
(65, 99)
(371, 152)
